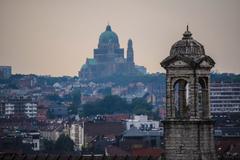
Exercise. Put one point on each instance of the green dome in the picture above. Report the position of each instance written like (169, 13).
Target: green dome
(108, 38)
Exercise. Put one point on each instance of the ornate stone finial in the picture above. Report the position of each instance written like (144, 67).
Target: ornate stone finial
(108, 28)
(187, 34)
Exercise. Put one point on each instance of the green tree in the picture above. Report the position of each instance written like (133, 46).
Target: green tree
(115, 104)
(64, 144)
(48, 145)
(108, 105)
(141, 106)
(76, 101)
(50, 114)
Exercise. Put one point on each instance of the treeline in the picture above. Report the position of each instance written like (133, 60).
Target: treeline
(116, 104)
(126, 79)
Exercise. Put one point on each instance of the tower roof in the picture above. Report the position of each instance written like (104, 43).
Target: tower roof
(187, 46)
(188, 50)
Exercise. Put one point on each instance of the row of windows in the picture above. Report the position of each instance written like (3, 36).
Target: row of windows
(224, 89)
(224, 93)
(225, 105)
(225, 97)
(225, 101)
(225, 110)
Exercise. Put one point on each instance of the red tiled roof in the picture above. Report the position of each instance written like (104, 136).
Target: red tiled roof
(116, 151)
(104, 128)
(15, 156)
(154, 152)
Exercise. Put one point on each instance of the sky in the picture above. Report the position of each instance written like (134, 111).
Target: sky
(54, 37)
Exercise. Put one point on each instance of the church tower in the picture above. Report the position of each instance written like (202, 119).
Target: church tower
(130, 55)
(188, 126)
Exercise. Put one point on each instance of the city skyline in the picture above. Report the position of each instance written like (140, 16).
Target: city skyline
(55, 37)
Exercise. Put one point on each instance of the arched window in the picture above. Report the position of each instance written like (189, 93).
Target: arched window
(181, 98)
(203, 98)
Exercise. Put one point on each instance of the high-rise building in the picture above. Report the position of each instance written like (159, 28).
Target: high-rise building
(109, 58)
(225, 97)
(5, 72)
(77, 134)
(188, 127)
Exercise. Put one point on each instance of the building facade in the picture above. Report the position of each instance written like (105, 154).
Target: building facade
(5, 72)
(109, 58)
(77, 134)
(142, 122)
(188, 127)
(18, 107)
(30, 110)
(225, 97)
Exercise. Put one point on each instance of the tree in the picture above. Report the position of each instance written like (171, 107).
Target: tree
(48, 145)
(141, 106)
(50, 114)
(76, 101)
(115, 104)
(64, 144)
(108, 105)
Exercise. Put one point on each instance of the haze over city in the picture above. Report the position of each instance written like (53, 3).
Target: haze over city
(55, 37)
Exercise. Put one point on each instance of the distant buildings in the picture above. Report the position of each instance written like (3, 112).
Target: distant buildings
(131, 91)
(58, 111)
(52, 131)
(225, 97)
(5, 72)
(141, 122)
(109, 59)
(30, 110)
(32, 138)
(135, 138)
(18, 106)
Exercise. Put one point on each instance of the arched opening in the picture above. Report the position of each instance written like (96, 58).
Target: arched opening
(203, 98)
(181, 98)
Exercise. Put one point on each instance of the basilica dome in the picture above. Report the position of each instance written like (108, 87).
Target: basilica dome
(187, 46)
(108, 39)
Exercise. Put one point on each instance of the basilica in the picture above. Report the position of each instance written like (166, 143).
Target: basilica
(109, 59)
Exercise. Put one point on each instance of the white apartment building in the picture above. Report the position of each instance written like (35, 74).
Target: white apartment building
(225, 97)
(9, 109)
(77, 134)
(141, 122)
(30, 110)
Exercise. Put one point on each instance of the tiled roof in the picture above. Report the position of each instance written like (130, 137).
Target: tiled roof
(14, 156)
(155, 152)
(104, 128)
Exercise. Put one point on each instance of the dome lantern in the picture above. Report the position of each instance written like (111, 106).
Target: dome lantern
(187, 46)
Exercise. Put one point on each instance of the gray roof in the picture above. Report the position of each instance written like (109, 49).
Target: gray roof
(134, 132)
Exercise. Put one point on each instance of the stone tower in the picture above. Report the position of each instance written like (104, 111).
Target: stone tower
(130, 56)
(188, 126)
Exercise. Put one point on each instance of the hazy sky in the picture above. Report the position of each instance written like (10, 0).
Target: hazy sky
(56, 36)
